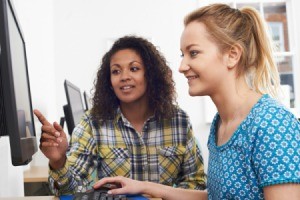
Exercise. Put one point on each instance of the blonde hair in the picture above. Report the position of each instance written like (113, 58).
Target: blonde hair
(227, 27)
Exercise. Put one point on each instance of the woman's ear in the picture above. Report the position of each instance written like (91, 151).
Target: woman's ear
(234, 55)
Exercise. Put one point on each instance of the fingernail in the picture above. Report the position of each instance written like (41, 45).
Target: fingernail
(109, 192)
(57, 134)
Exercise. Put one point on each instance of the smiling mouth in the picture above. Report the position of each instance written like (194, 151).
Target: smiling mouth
(127, 87)
(192, 77)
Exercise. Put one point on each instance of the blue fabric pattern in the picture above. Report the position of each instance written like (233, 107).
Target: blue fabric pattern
(263, 151)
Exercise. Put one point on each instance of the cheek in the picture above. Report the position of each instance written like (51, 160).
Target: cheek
(113, 81)
(142, 86)
(114, 85)
(197, 67)
(141, 80)
(145, 84)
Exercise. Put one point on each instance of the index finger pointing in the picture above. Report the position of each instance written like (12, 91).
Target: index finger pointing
(41, 117)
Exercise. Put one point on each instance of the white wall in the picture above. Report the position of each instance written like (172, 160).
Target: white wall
(11, 178)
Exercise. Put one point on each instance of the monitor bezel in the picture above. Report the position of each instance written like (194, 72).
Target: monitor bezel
(86, 98)
(69, 110)
(22, 149)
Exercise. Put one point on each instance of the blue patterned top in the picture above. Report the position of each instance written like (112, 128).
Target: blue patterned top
(263, 151)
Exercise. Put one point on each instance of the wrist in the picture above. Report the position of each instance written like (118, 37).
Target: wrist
(153, 189)
(57, 164)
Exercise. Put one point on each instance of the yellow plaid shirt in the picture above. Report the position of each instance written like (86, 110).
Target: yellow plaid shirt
(165, 152)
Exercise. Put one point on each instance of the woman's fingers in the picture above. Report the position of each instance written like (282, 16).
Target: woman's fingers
(59, 129)
(41, 117)
(48, 144)
(46, 136)
(122, 190)
(50, 130)
(126, 183)
(114, 180)
(50, 135)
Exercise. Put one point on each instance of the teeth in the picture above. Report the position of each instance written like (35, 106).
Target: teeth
(191, 77)
(126, 87)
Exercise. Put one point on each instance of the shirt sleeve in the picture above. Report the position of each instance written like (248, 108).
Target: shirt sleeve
(193, 176)
(79, 172)
(276, 151)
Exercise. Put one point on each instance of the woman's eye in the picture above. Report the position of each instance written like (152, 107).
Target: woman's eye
(134, 68)
(181, 55)
(115, 71)
(193, 53)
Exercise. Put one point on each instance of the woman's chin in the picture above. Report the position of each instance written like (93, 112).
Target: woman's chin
(192, 93)
(196, 93)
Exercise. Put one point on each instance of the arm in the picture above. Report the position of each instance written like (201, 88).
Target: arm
(130, 186)
(79, 171)
(277, 192)
(276, 155)
(193, 176)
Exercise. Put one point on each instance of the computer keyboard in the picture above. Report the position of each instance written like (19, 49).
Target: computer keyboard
(98, 194)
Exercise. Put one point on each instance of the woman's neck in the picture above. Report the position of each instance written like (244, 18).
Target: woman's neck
(136, 114)
(236, 102)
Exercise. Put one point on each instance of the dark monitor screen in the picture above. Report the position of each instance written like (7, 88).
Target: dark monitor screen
(15, 103)
(74, 110)
(87, 101)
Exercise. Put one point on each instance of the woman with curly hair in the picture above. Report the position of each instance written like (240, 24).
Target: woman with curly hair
(135, 128)
(160, 91)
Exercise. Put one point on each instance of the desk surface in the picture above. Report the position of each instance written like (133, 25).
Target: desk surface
(36, 174)
(43, 198)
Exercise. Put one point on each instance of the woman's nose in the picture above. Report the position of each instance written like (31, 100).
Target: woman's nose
(183, 67)
(125, 75)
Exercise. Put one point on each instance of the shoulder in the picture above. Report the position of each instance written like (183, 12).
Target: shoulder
(271, 113)
(274, 122)
(180, 113)
(83, 130)
(179, 121)
(88, 121)
(86, 118)
(180, 117)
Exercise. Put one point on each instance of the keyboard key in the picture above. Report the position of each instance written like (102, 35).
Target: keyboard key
(96, 195)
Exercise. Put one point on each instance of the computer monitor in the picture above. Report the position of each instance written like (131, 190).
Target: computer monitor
(87, 101)
(16, 116)
(74, 110)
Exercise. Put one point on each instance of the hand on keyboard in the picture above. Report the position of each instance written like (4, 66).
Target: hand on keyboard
(98, 194)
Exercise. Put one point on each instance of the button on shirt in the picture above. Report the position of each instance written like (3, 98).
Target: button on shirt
(164, 152)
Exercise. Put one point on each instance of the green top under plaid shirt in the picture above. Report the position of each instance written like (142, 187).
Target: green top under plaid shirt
(164, 152)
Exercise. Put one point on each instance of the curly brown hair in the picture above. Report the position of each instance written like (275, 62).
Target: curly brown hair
(160, 84)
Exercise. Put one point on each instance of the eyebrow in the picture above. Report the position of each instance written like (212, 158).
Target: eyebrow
(134, 61)
(190, 46)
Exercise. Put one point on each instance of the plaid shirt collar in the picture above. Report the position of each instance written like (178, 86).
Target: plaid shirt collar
(120, 117)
